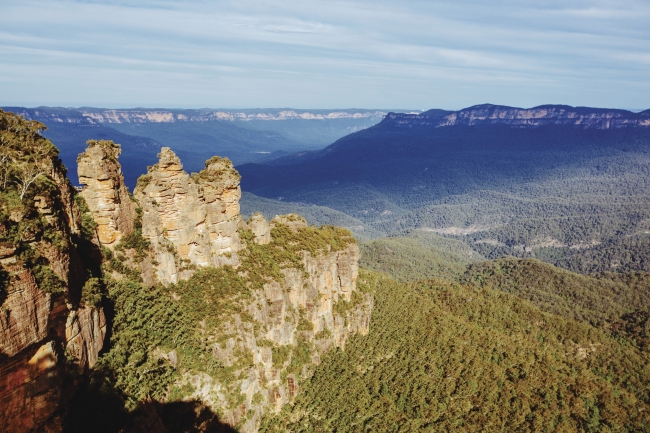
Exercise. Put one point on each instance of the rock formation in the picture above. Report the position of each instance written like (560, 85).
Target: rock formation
(105, 192)
(45, 324)
(260, 228)
(52, 326)
(194, 221)
(190, 220)
(489, 114)
(313, 309)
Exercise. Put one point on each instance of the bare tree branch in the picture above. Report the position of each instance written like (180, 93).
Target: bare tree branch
(26, 174)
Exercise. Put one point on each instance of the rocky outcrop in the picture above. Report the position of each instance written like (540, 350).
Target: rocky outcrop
(25, 313)
(105, 192)
(45, 328)
(193, 221)
(190, 220)
(487, 114)
(38, 331)
(260, 228)
(310, 311)
(85, 330)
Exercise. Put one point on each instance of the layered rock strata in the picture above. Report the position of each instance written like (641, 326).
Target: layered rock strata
(314, 308)
(105, 192)
(40, 333)
(489, 114)
(45, 328)
(190, 220)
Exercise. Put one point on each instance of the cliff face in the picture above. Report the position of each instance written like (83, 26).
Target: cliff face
(295, 294)
(519, 117)
(46, 325)
(282, 331)
(300, 284)
(105, 116)
(105, 192)
(190, 221)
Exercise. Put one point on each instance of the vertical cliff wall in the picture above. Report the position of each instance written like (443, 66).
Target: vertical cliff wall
(269, 345)
(47, 325)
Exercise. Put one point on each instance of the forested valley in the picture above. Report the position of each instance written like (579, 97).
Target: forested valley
(463, 278)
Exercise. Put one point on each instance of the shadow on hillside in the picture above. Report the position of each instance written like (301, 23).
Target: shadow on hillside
(98, 407)
(178, 416)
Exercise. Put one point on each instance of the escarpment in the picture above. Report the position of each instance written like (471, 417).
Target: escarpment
(265, 350)
(488, 114)
(50, 324)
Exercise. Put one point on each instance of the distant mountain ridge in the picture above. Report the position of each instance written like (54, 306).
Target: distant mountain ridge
(245, 135)
(93, 116)
(488, 114)
(552, 182)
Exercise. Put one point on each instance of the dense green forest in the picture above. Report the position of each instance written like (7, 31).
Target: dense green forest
(606, 300)
(418, 255)
(408, 168)
(447, 357)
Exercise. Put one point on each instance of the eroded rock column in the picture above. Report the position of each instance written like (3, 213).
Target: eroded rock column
(105, 192)
(190, 221)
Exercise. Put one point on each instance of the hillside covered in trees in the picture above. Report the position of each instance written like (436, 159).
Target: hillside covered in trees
(443, 356)
(213, 322)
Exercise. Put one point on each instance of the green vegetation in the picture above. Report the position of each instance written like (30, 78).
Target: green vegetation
(147, 322)
(580, 297)
(447, 357)
(215, 169)
(315, 215)
(111, 150)
(195, 317)
(418, 255)
(88, 224)
(263, 263)
(212, 294)
(135, 240)
(617, 303)
(35, 203)
(92, 293)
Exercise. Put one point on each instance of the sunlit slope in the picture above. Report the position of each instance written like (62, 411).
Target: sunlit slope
(600, 301)
(418, 255)
(445, 357)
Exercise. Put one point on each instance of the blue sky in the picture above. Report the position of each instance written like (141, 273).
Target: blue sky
(324, 54)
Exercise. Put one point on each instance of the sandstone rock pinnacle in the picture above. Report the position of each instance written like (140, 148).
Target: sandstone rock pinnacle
(190, 220)
(105, 192)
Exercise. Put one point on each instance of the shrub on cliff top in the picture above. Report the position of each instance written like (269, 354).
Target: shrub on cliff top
(216, 169)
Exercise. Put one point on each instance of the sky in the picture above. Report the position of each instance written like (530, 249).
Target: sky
(324, 54)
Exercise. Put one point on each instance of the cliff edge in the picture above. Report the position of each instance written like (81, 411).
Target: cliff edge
(51, 320)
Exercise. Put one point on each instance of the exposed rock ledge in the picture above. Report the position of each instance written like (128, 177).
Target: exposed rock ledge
(489, 114)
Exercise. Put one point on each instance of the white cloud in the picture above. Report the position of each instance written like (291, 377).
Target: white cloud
(325, 53)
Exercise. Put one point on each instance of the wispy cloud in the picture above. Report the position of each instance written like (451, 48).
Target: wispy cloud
(324, 53)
